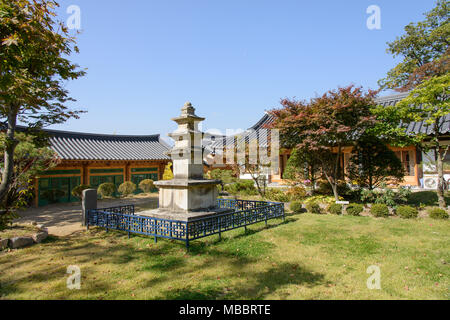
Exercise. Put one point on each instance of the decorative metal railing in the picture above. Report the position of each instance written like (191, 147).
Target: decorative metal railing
(244, 213)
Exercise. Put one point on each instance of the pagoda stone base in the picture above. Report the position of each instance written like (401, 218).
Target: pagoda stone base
(182, 216)
(188, 195)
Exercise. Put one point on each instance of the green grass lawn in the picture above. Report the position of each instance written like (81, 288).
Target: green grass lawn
(308, 257)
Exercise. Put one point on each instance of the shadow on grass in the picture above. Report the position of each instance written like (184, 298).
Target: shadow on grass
(257, 285)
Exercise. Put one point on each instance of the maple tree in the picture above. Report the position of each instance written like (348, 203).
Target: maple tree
(325, 125)
(33, 72)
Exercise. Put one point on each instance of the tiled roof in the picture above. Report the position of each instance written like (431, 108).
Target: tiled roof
(87, 146)
(391, 100)
(415, 127)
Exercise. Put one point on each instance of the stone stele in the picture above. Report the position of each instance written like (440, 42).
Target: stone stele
(188, 195)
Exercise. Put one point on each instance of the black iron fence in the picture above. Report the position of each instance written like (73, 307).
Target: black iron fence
(244, 213)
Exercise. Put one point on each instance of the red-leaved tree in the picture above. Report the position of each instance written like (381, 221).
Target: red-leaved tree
(326, 124)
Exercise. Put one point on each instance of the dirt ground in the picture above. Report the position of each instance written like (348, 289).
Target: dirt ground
(65, 219)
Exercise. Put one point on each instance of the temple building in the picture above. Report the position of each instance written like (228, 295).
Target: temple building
(93, 159)
(419, 170)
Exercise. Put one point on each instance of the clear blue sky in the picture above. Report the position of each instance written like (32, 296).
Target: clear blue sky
(231, 59)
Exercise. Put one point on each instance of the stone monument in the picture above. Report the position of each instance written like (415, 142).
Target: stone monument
(188, 195)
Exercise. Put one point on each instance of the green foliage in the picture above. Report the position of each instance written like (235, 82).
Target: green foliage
(302, 167)
(34, 73)
(427, 198)
(127, 188)
(326, 200)
(276, 194)
(313, 207)
(147, 185)
(78, 190)
(106, 189)
(355, 209)
(379, 210)
(226, 176)
(31, 156)
(335, 208)
(407, 212)
(15, 199)
(423, 49)
(331, 120)
(296, 207)
(438, 213)
(243, 187)
(386, 196)
(372, 163)
(296, 193)
(168, 174)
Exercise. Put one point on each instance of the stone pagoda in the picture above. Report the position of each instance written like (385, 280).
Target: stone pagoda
(189, 195)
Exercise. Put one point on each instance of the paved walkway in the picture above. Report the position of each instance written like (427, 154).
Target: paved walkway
(65, 219)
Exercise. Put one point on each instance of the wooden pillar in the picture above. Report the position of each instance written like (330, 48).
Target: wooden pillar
(85, 176)
(127, 172)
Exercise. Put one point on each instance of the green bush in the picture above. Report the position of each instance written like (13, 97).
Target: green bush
(355, 209)
(324, 188)
(147, 185)
(437, 213)
(226, 176)
(327, 200)
(296, 193)
(278, 195)
(407, 212)
(127, 188)
(296, 207)
(313, 207)
(386, 196)
(106, 189)
(427, 198)
(335, 208)
(77, 192)
(243, 187)
(379, 210)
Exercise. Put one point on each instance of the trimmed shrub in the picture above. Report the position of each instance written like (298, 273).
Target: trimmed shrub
(168, 174)
(427, 198)
(327, 200)
(77, 192)
(379, 210)
(106, 189)
(296, 193)
(437, 213)
(147, 185)
(127, 188)
(335, 208)
(244, 187)
(296, 207)
(226, 176)
(407, 212)
(313, 207)
(355, 209)
(275, 194)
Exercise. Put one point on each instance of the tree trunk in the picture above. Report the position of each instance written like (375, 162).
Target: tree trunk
(10, 146)
(440, 170)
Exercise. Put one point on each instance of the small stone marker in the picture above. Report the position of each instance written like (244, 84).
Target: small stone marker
(88, 202)
(20, 242)
(39, 237)
(343, 202)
